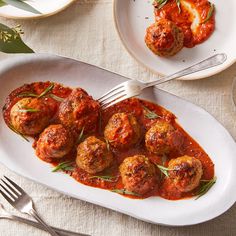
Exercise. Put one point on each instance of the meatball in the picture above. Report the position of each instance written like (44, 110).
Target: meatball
(54, 142)
(79, 111)
(30, 116)
(164, 38)
(162, 138)
(138, 174)
(185, 172)
(122, 131)
(93, 155)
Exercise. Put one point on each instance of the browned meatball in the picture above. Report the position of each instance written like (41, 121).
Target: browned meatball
(185, 172)
(122, 131)
(164, 38)
(55, 142)
(162, 137)
(93, 155)
(30, 116)
(138, 174)
(79, 111)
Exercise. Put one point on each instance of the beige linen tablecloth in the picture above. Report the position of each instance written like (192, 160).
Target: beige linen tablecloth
(86, 31)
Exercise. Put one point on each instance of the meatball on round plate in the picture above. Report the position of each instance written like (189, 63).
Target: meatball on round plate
(168, 36)
(164, 38)
(138, 147)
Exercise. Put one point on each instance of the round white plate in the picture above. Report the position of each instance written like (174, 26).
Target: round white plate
(18, 155)
(133, 17)
(46, 7)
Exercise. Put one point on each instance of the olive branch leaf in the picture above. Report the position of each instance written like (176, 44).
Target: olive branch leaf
(10, 40)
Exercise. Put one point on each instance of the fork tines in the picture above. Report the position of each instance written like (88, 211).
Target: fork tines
(114, 94)
(9, 190)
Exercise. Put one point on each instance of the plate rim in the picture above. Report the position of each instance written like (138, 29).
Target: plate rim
(44, 15)
(185, 78)
(16, 61)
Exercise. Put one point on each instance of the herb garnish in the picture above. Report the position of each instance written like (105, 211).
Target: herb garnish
(205, 187)
(64, 166)
(107, 178)
(81, 135)
(17, 132)
(28, 109)
(125, 192)
(108, 145)
(47, 90)
(164, 170)
(210, 13)
(27, 94)
(178, 5)
(44, 93)
(150, 114)
(55, 97)
(162, 3)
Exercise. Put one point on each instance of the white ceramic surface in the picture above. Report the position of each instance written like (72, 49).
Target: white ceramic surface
(133, 17)
(18, 155)
(46, 7)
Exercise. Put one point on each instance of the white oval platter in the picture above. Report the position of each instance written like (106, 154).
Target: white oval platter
(18, 155)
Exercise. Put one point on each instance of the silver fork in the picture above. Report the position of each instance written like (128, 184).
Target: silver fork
(4, 214)
(20, 200)
(133, 88)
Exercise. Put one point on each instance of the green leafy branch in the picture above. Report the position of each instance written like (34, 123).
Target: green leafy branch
(10, 40)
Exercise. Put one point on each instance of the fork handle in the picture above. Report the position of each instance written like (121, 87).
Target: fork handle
(62, 232)
(34, 214)
(203, 65)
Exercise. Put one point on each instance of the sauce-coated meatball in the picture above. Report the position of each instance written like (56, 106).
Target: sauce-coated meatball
(122, 131)
(54, 142)
(138, 174)
(185, 172)
(30, 116)
(93, 155)
(162, 137)
(79, 111)
(164, 38)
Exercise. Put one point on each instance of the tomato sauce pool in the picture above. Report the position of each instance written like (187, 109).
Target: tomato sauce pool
(133, 106)
(195, 18)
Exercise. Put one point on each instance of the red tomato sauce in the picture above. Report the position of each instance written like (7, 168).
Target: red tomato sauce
(133, 106)
(183, 19)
